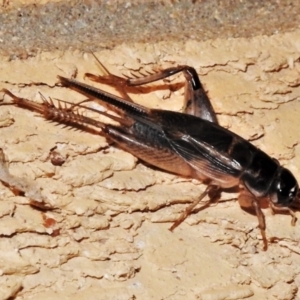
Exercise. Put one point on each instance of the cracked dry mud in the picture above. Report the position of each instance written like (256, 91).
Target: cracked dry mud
(106, 236)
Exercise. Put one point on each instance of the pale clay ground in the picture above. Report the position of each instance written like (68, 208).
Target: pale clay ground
(113, 212)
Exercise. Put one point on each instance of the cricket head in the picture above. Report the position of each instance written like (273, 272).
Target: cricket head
(284, 191)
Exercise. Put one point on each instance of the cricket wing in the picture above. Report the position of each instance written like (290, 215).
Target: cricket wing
(207, 161)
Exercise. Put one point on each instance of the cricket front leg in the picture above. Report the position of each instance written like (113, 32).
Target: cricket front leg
(289, 210)
(246, 201)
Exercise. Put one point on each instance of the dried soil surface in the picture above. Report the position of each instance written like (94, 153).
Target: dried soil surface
(106, 235)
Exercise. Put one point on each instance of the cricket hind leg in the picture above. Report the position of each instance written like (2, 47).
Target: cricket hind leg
(196, 102)
(119, 83)
(212, 191)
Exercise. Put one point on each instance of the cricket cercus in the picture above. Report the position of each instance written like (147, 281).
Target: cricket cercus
(190, 144)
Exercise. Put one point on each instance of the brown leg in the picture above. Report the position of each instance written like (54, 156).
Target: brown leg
(248, 201)
(284, 210)
(211, 190)
(197, 102)
(261, 222)
(294, 218)
(115, 81)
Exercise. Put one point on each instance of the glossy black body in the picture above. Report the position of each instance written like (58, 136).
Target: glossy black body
(193, 146)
